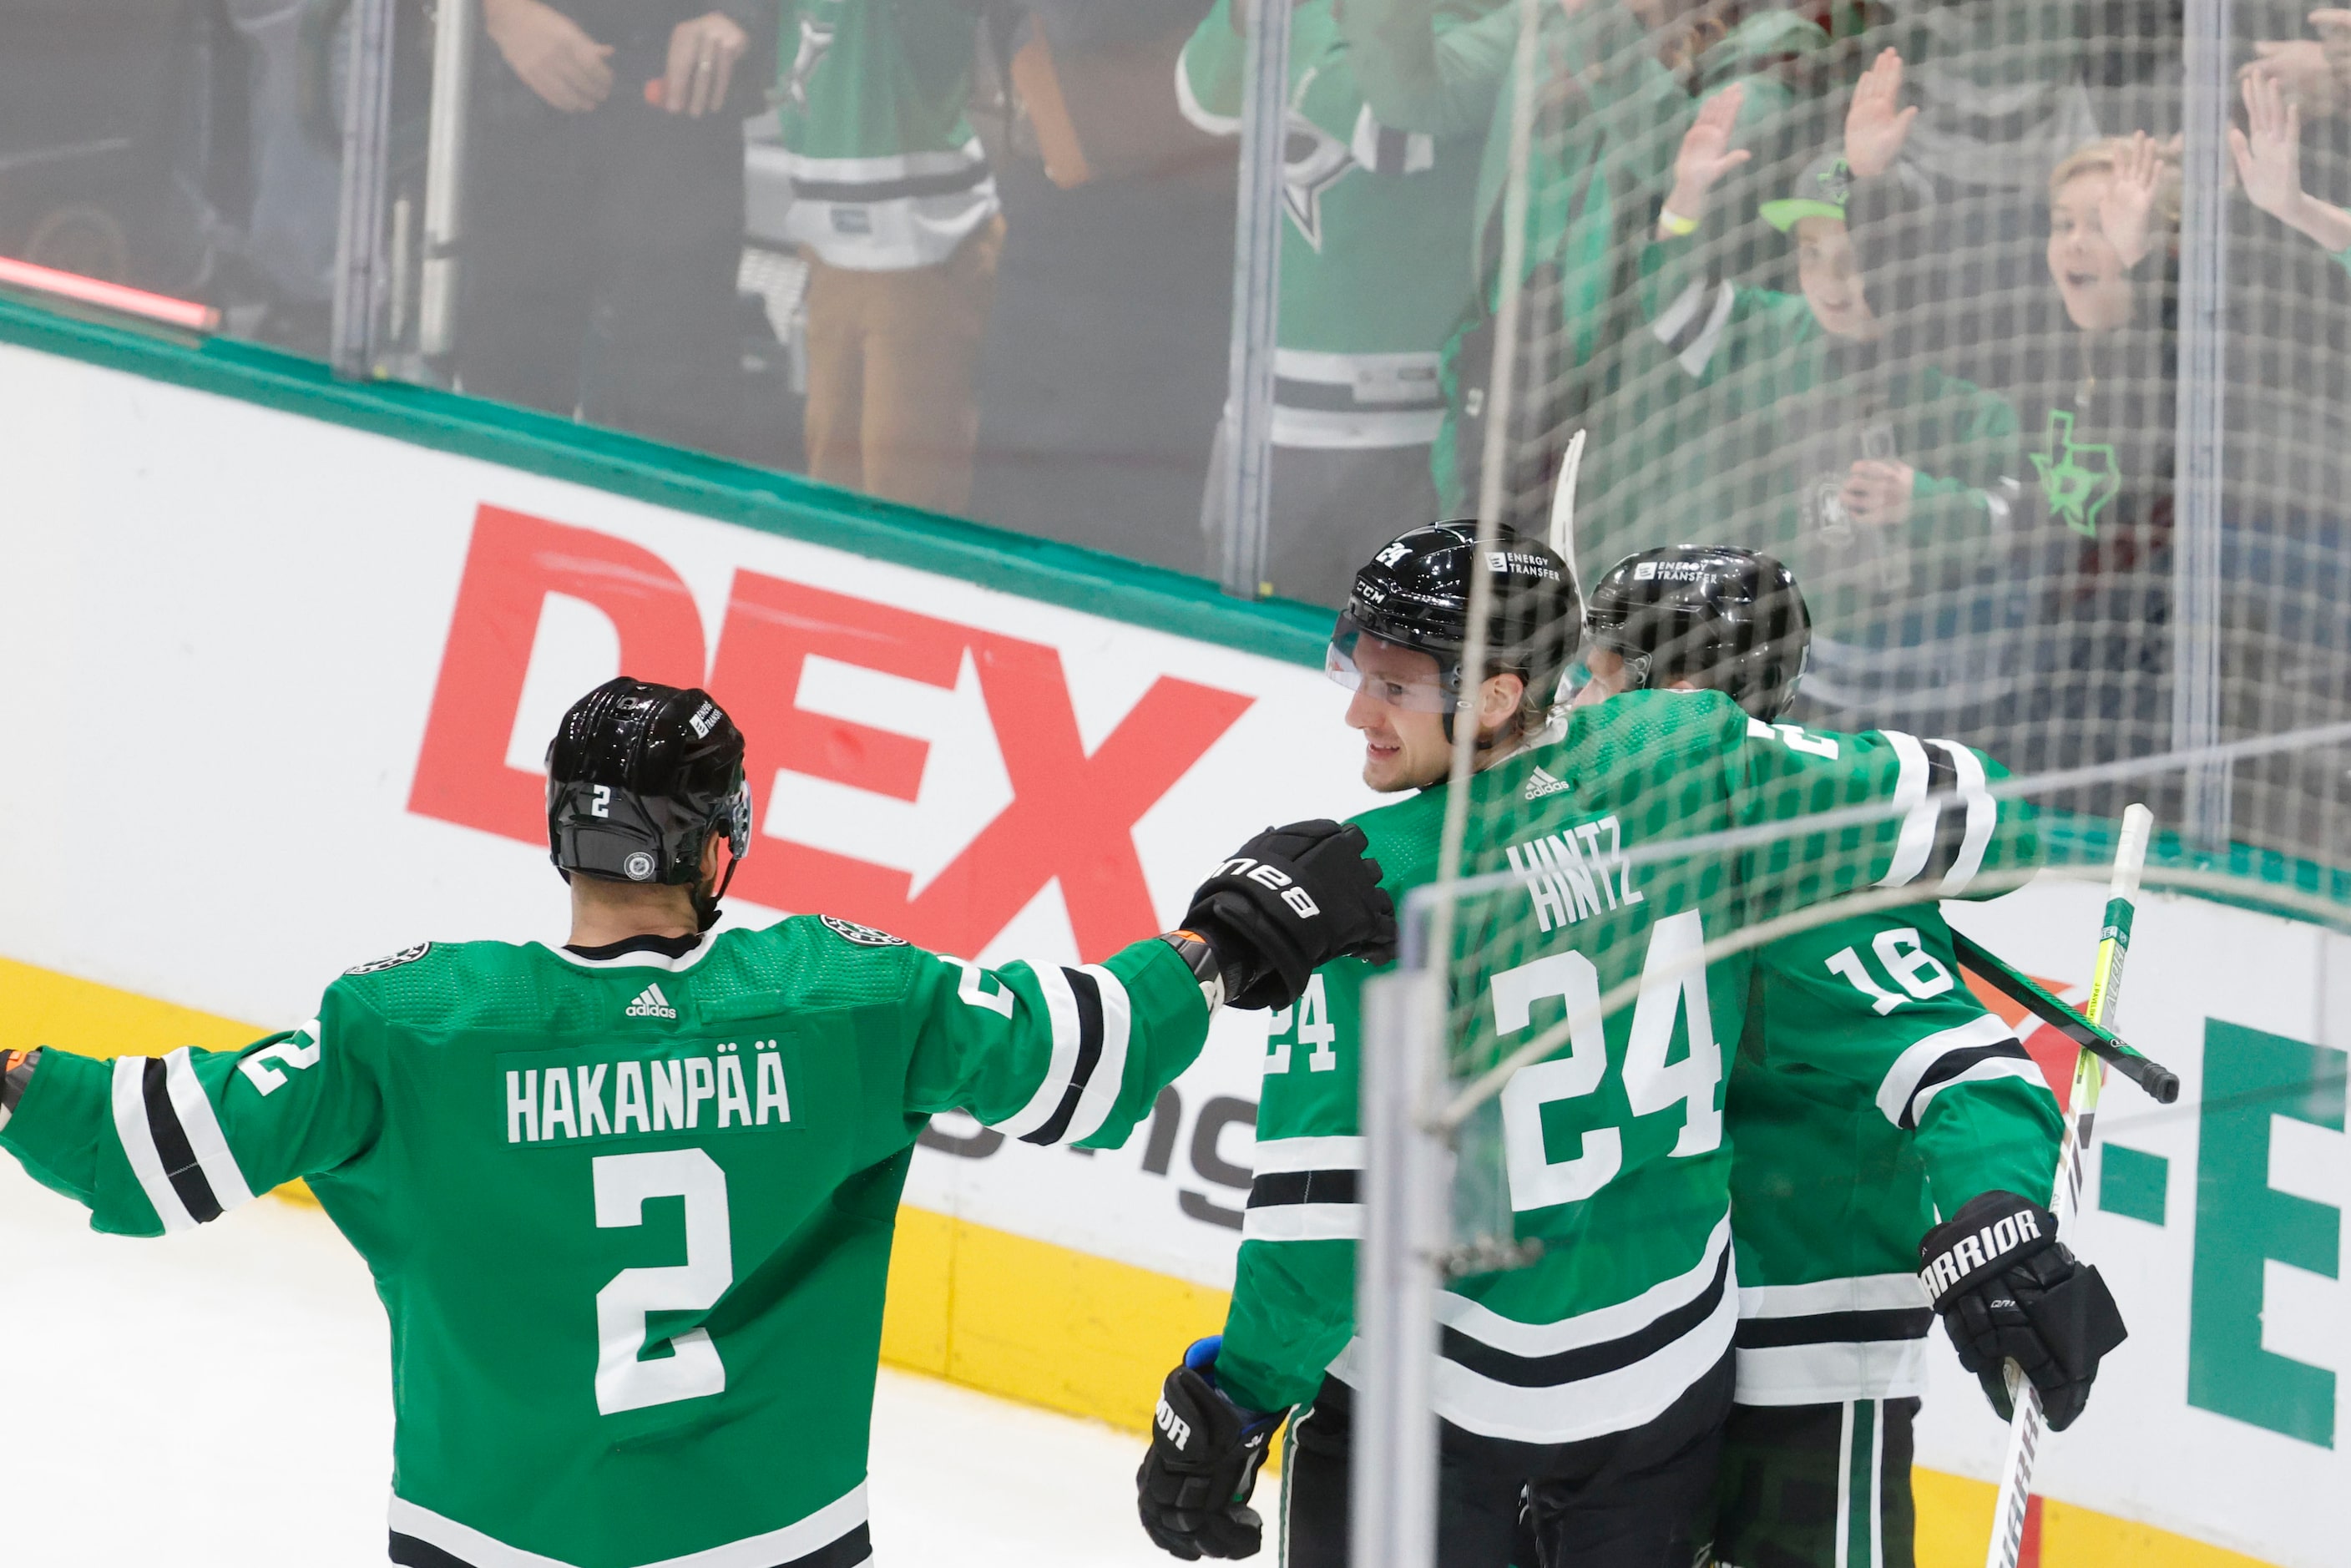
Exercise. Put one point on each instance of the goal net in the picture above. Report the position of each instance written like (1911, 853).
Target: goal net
(2018, 333)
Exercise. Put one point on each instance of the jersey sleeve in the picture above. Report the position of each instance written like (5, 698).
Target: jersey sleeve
(1208, 74)
(1878, 1004)
(1054, 1055)
(1293, 1306)
(155, 1144)
(1943, 829)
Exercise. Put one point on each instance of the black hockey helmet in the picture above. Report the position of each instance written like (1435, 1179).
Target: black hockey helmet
(639, 776)
(1415, 593)
(1729, 620)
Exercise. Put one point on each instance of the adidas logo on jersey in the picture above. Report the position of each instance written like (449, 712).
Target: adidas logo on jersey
(650, 1004)
(1540, 783)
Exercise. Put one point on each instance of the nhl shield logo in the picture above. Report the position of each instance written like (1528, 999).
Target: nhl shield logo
(864, 935)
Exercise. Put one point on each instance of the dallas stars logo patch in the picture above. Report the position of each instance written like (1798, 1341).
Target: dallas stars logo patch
(392, 961)
(1313, 161)
(816, 38)
(864, 935)
(2080, 479)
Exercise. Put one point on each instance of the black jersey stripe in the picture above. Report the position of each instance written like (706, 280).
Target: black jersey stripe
(180, 1166)
(1951, 1065)
(845, 1551)
(1088, 995)
(1589, 1360)
(1277, 1188)
(1835, 1328)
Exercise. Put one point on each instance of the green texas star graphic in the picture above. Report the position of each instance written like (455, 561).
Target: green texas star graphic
(2081, 480)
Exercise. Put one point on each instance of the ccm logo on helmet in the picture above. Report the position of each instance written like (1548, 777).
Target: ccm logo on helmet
(1298, 898)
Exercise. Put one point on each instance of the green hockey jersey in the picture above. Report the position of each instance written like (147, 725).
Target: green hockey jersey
(1374, 268)
(628, 1210)
(1872, 1091)
(1611, 1153)
(886, 171)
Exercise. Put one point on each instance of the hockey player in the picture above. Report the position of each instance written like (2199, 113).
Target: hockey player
(1871, 1092)
(629, 1201)
(1592, 1385)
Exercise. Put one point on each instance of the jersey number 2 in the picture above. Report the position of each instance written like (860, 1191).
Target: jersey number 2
(623, 1182)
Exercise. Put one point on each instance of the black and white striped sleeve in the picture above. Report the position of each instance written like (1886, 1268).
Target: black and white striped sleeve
(1948, 814)
(1973, 1052)
(1050, 1053)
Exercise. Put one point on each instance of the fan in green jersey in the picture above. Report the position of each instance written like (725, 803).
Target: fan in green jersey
(1590, 1387)
(629, 1201)
(1872, 1091)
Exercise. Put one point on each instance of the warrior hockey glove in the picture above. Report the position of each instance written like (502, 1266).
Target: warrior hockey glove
(1287, 903)
(1194, 1487)
(2009, 1290)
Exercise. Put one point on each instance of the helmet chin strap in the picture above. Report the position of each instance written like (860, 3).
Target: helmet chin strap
(705, 905)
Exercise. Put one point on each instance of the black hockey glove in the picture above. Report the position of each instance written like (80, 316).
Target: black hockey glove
(1194, 1487)
(1287, 903)
(2009, 1290)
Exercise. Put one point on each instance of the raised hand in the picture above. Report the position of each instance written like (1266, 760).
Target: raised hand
(2333, 28)
(554, 58)
(2269, 164)
(1875, 127)
(1707, 154)
(2268, 159)
(2124, 210)
(2300, 65)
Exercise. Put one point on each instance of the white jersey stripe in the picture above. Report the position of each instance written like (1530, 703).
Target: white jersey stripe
(1303, 1222)
(1983, 811)
(1062, 1009)
(1596, 1327)
(1590, 1406)
(139, 1143)
(1855, 1293)
(1100, 1096)
(1203, 118)
(819, 1529)
(204, 1131)
(1833, 1371)
(1919, 814)
(1902, 1080)
(1981, 1072)
(1276, 1155)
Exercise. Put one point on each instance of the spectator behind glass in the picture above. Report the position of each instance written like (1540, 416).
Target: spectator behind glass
(1775, 421)
(895, 209)
(1374, 273)
(2099, 436)
(605, 206)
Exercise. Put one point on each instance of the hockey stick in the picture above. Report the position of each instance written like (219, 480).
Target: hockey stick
(2025, 1429)
(2160, 1082)
(1562, 533)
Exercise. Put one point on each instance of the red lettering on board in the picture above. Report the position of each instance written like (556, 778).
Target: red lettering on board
(1071, 817)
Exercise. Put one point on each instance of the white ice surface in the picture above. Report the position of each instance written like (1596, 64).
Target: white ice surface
(221, 1400)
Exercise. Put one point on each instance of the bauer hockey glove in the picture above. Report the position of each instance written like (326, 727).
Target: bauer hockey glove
(1287, 903)
(1194, 1487)
(2007, 1290)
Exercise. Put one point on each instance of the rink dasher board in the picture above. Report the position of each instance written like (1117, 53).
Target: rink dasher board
(229, 626)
